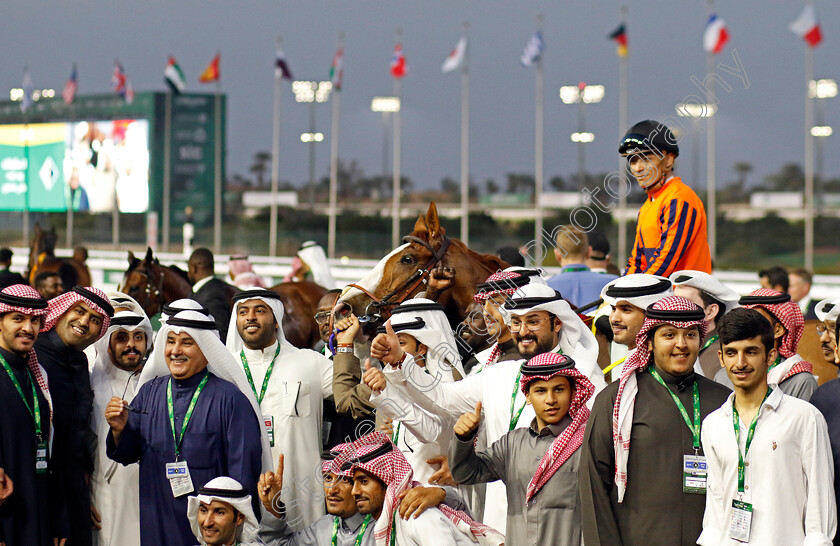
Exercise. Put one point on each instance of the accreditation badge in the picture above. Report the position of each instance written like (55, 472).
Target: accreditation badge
(694, 474)
(268, 422)
(41, 458)
(178, 475)
(739, 523)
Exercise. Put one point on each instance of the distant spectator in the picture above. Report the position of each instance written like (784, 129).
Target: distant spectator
(599, 251)
(511, 255)
(7, 278)
(48, 284)
(242, 273)
(576, 282)
(799, 288)
(775, 278)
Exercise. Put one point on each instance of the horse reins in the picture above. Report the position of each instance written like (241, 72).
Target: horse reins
(413, 281)
(153, 291)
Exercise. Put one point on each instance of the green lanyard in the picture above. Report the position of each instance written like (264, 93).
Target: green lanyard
(514, 417)
(394, 529)
(750, 434)
(693, 427)
(39, 438)
(709, 342)
(187, 416)
(397, 433)
(775, 363)
(359, 536)
(573, 269)
(261, 395)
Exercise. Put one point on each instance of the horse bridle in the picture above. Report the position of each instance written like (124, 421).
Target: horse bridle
(154, 288)
(411, 283)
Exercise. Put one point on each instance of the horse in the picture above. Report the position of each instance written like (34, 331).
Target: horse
(73, 271)
(154, 286)
(405, 271)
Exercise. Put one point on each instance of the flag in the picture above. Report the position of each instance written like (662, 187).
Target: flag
(456, 59)
(211, 73)
(398, 66)
(533, 50)
(337, 69)
(281, 66)
(807, 26)
(70, 88)
(27, 100)
(715, 35)
(122, 86)
(174, 76)
(619, 36)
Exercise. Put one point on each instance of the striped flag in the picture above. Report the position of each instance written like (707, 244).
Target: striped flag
(807, 26)
(619, 36)
(533, 50)
(28, 98)
(456, 59)
(337, 69)
(174, 76)
(715, 35)
(70, 88)
(398, 66)
(281, 66)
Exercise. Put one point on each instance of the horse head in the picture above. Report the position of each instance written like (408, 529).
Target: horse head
(405, 271)
(143, 281)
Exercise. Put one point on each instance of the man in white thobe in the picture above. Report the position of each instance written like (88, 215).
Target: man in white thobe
(290, 385)
(114, 488)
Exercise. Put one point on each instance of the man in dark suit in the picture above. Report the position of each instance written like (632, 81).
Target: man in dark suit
(799, 288)
(212, 293)
(8, 278)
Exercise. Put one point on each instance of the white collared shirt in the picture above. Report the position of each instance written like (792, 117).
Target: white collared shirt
(198, 284)
(788, 474)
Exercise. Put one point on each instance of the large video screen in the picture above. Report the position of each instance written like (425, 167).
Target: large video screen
(94, 165)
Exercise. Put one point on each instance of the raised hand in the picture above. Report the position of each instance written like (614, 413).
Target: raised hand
(373, 378)
(443, 476)
(386, 347)
(349, 327)
(441, 278)
(116, 414)
(269, 488)
(468, 422)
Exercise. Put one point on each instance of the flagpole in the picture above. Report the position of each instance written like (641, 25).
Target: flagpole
(711, 183)
(69, 227)
(538, 153)
(809, 160)
(334, 134)
(167, 175)
(465, 143)
(275, 155)
(217, 186)
(395, 189)
(26, 177)
(622, 164)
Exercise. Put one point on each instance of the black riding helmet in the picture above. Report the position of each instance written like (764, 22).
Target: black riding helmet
(649, 135)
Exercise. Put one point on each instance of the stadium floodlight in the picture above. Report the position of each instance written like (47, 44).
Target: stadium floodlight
(385, 104)
(309, 91)
(583, 137)
(582, 92)
(822, 89)
(821, 131)
(312, 137)
(16, 94)
(695, 110)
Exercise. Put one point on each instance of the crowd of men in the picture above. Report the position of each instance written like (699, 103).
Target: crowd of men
(675, 412)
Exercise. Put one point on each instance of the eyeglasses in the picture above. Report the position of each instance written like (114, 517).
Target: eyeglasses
(323, 317)
(533, 324)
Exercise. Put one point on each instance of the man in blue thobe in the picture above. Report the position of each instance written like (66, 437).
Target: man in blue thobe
(190, 390)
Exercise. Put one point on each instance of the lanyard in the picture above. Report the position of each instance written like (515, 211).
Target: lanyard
(394, 529)
(750, 434)
(618, 362)
(187, 416)
(397, 433)
(35, 414)
(359, 536)
(573, 269)
(693, 427)
(775, 363)
(514, 418)
(709, 342)
(261, 395)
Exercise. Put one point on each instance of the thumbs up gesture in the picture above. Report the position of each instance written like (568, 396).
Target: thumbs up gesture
(386, 347)
(373, 378)
(468, 423)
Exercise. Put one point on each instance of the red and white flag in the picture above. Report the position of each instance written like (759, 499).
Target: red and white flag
(70, 88)
(716, 35)
(455, 60)
(398, 66)
(807, 26)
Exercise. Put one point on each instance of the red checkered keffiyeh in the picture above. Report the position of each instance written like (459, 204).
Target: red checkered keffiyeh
(14, 299)
(87, 295)
(565, 445)
(788, 314)
(501, 282)
(625, 400)
(376, 454)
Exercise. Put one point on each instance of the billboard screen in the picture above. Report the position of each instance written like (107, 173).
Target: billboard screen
(94, 164)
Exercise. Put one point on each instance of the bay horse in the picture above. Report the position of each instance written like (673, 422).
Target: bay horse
(405, 271)
(154, 285)
(73, 271)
